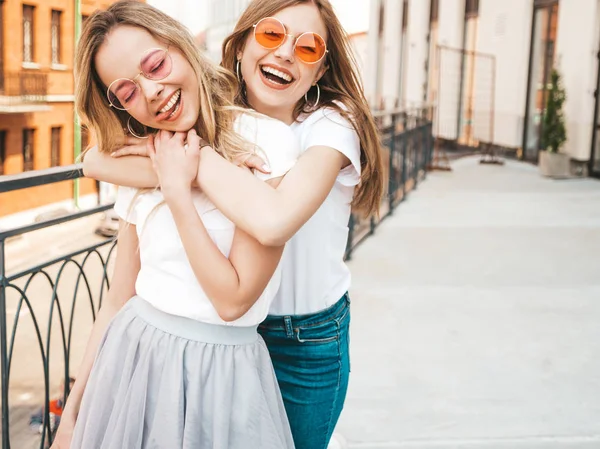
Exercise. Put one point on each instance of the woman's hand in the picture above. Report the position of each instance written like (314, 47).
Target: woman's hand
(252, 162)
(175, 161)
(64, 434)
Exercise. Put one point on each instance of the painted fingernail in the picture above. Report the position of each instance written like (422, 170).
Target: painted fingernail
(265, 167)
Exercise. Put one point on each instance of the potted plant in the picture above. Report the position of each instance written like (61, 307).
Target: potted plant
(552, 163)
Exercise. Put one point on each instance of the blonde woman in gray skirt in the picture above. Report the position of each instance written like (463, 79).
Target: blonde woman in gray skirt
(170, 364)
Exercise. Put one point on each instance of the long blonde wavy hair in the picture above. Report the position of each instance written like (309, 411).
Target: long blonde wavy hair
(217, 86)
(340, 83)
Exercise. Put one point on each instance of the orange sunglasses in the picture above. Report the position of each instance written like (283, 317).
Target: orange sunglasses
(309, 47)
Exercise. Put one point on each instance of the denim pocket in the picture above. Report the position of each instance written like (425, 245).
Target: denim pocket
(300, 336)
(323, 332)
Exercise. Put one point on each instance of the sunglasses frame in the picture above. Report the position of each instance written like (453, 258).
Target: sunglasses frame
(141, 73)
(292, 36)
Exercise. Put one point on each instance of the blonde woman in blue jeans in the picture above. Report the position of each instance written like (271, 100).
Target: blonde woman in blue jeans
(294, 63)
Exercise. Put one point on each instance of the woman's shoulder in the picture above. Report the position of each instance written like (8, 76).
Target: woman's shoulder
(273, 140)
(330, 126)
(328, 115)
(267, 133)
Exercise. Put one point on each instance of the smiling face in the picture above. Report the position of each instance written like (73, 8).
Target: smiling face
(170, 103)
(277, 79)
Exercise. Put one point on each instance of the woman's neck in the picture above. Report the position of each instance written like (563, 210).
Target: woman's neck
(283, 115)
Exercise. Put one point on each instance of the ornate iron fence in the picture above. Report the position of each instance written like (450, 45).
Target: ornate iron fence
(43, 303)
(39, 304)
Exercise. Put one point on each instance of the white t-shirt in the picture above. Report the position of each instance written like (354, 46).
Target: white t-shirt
(314, 275)
(166, 278)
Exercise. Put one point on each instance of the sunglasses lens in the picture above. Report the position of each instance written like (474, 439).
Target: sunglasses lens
(122, 93)
(310, 47)
(156, 64)
(269, 33)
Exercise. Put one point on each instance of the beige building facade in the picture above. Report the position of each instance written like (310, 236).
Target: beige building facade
(486, 66)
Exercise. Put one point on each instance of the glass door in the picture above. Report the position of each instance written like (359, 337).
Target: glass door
(541, 59)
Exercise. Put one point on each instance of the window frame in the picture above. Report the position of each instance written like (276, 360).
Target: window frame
(55, 36)
(28, 137)
(28, 47)
(55, 141)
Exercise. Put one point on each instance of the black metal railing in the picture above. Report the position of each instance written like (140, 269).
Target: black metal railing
(39, 303)
(24, 88)
(43, 302)
(407, 139)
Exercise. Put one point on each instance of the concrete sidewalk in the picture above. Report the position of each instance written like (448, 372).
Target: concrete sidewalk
(476, 316)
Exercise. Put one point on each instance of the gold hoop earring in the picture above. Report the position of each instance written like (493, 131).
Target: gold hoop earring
(240, 77)
(132, 132)
(316, 103)
(237, 71)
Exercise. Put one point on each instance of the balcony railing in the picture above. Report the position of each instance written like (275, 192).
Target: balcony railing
(24, 88)
(52, 284)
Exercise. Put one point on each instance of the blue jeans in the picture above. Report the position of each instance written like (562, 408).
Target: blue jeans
(312, 363)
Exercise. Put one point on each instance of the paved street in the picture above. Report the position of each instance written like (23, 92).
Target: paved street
(476, 316)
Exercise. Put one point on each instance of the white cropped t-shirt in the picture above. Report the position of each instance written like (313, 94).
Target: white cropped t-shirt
(166, 278)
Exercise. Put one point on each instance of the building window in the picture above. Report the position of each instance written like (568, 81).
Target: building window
(27, 149)
(55, 147)
(434, 12)
(55, 37)
(28, 37)
(472, 8)
(2, 151)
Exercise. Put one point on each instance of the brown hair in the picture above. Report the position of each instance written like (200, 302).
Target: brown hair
(340, 83)
(217, 86)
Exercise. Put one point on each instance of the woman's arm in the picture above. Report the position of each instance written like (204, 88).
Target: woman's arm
(127, 266)
(272, 216)
(232, 284)
(130, 171)
(131, 167)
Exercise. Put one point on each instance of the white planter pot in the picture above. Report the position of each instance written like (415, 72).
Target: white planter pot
(554, 165)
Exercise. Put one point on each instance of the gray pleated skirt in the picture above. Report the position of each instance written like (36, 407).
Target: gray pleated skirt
(165, 382)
